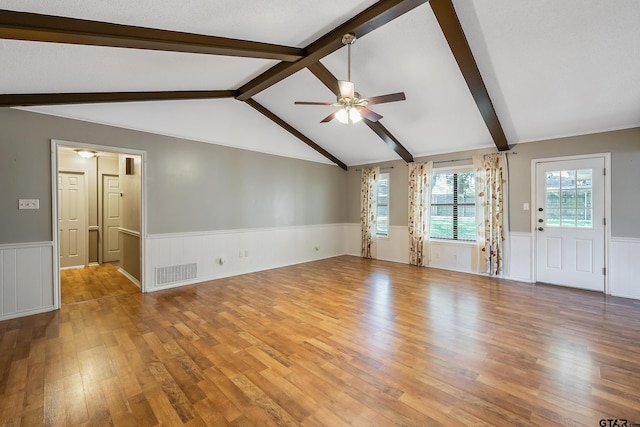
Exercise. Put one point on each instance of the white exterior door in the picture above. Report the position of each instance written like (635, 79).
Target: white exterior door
(569, 228)
(72, 219)
(110, 218)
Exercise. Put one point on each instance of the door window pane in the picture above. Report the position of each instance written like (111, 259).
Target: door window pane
(568, 195)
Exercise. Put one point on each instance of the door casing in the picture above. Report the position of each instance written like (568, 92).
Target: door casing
(607, 209)
(55, 144)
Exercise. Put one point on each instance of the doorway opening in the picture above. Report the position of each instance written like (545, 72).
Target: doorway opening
(569, 221)
(98, 216)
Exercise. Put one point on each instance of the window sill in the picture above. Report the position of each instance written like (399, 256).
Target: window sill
(453, 242)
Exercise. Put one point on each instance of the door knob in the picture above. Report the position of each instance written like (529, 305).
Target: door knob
(540, 209)
(541, 220)
(540, 229)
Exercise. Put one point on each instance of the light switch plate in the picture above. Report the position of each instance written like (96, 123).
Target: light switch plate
(28, 204)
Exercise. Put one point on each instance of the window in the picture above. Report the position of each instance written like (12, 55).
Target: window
(568, 198)
(453, 206)
(382, 213)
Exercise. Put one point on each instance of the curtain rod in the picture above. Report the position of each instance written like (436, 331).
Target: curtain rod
(466, 158)
(386, 167)
(442, 161)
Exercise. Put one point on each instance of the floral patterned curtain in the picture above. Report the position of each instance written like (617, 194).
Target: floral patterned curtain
(419, 215)
(368, 207)
(491, 189)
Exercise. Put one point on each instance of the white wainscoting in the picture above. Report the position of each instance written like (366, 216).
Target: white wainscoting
(520, 256)
(456, 256)
(241, 251)
(624, 267)
(26, 279)
(394, 247)
(351, 238)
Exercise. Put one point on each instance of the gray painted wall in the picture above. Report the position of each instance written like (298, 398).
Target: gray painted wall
(624, 146)
(192, 186)
(398, 181)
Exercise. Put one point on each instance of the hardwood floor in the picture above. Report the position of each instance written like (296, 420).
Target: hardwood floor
(342, 341)
(94, 282)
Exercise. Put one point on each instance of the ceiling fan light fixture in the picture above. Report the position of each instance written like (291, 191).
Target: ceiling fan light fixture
(354, 115)
(342, 116)
(352, 107)
(348, 115)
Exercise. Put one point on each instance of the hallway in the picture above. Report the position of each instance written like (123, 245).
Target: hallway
(94, 282)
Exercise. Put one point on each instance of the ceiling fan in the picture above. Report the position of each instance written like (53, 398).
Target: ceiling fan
(352, 107)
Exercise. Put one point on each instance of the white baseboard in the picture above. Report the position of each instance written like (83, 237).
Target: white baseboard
(242, 251)
(129, 276)
(225, 275)
(25, 313)
(72, 267)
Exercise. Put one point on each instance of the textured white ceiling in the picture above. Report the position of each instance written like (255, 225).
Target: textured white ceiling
(552, 68)
(286, 22)
(558, 68)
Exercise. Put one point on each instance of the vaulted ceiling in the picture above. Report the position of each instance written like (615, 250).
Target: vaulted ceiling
(476, 74)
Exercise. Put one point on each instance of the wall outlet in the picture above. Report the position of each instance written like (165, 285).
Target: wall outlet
(28, 204)
(246, 253)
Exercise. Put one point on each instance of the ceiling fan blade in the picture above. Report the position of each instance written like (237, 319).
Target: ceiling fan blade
(312, 103)
(329, 117)
(369, 115)
(392, 97)
(347, 89)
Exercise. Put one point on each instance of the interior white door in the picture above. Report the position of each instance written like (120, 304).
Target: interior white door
(570, 214)
(72, 219)
(110, 218)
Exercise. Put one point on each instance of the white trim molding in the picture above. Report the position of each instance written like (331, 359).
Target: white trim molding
(128, 276)
(55, 144)
(4, 246)
(129, 232)
(607, 210)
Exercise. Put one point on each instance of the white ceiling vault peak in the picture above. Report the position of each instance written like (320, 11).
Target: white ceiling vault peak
(551, 69)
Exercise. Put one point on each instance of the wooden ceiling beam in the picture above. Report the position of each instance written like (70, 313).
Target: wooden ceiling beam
(286, 126)
(453, 32)
(27, 99)
(329, 80)
(389, 139)
(57, 29)
(368, 20)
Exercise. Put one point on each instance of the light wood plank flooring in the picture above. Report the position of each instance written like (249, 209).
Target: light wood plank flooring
(342, 341)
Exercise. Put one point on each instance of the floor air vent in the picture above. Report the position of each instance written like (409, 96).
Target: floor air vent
(176, 273)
